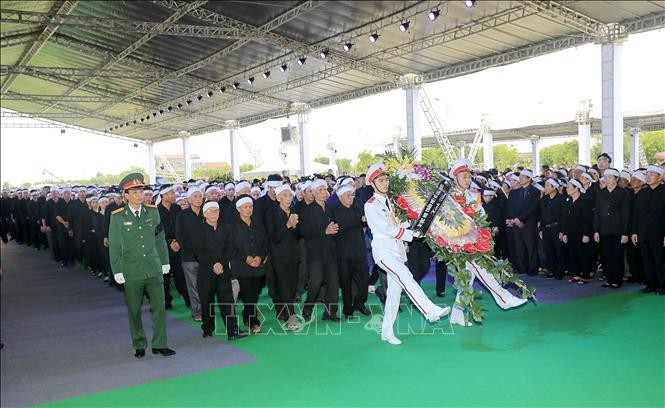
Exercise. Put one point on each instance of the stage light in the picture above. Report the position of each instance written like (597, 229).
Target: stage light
(236, 84)
(142, 119)
(373, 37)
(189, 101)
(250, 80)
(134, 121)
(470, 3)
(179, 106)
(170, 108)
(199, 98)
(222, 89)
(347, 46)
(324, 53)
(161, 111)
(147, 117)
(116, 126)
(266, 74)
(433, 14)
(111, 129)
(404, 26)
(284, 67)
(121, 125)
(126, 123)
(301, 60)
(210, 94)
(154, 114)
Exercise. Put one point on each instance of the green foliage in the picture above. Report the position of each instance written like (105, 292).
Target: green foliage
(222, 173)
(109, 179)
(562, 154)
(364, 160)
(504, 156)
(344, 166)
(246, 167)
(322, 160)
(6, 185)
(433, 157)
(652, 143)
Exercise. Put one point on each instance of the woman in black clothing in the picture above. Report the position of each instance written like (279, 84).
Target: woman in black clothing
(576, 231)
(284, 253)
(211, 248)
(248, 260)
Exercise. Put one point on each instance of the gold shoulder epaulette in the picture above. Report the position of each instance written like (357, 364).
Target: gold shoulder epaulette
(150, 205)
(118, 211)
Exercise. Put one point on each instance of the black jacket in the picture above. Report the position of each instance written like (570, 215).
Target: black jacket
(168, 218)
(284, 247)
(312, 225)
(349, 241)
(263, 207)
(576, 218)
(524, 206)
(212, 246)
(247, 240)
(612, 215)
(550, 210)
(186, 227)
(649, 215)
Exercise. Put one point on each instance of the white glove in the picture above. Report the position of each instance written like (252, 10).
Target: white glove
(165, 269)
(119, 278)
(418, 233)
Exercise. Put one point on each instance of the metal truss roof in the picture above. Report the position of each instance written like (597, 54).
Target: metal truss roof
(149, 70)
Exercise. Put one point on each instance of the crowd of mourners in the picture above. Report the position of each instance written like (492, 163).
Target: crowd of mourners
(309, 238)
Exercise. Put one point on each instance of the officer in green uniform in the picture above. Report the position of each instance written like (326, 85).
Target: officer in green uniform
(138, 255)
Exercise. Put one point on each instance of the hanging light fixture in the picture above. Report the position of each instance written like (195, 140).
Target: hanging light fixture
(373, 37)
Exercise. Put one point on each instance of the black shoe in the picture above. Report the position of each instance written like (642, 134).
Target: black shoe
(307, 316)
(606, 285)
(332, 318)
(441, 294)
(660, 292)
(140, 353)
(648, 289)
(168, 306)
(164, 352)
(207, 334)
(364, 310)
(238, 335)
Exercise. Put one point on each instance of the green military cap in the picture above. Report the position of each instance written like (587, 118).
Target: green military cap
(131, 180)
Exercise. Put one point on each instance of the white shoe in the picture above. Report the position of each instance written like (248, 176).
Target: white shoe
(437, 314)
(371, 289)
(391, 339)
(514, 301)
(457, 317)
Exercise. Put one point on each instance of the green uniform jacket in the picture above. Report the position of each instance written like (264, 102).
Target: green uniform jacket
(137, 247)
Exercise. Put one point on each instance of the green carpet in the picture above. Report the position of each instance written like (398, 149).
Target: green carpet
(602, 351)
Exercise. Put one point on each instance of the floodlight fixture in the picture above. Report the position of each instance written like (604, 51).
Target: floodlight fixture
(236, 84)
(404, 26)
(324, 53)
(301, 60)
(250, 80)
(266, 74)
(284, 67)
(199, 98)
(373, 37)
(347, 46)
(433, 14)
(470, 3)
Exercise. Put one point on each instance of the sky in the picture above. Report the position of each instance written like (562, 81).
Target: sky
(540, 90)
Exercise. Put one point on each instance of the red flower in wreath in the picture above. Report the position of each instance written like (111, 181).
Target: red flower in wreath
(440, 241)
(456, 249)
(401, 203)
(483, 246)
(469, 211)
(470, 248)
(459, 199)
(412, 215)
(484, 234)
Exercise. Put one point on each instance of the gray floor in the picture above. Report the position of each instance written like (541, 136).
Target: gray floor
(66, 334)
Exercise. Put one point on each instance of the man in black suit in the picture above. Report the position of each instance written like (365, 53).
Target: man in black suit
(523, 208)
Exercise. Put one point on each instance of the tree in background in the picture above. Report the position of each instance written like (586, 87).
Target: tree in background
(246, 167)
(562, 154)
(652, 143)
(505, 156)
(222, 173)
(433, 157)
(344, 166)
(322, 160)
(364, 160)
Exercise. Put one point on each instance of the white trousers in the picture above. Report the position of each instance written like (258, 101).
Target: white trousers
(501, 295)
(400, 278)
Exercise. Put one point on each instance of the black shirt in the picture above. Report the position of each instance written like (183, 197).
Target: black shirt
(312, 225)
(168, 218)
(247, 240)
(550, 210)
(349, 241)
(212, 246)
(284, 247)
(649, 220)
(576, 217)
(187, 225)
(612, 215)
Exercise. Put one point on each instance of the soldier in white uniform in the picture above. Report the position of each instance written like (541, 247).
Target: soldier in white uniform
(388, 250)
(461, 171)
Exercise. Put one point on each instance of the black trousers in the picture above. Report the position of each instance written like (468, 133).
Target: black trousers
(322, 272)
(525, 249)
(286, 275)
(552, 249)
(215, 290)
(353, 270)
(653, 261)
(441, 277)
(66, 244)
(250, 288)
(500, 245)
(577, 257)
(418, 259)
(178, 275)
(611, 251)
